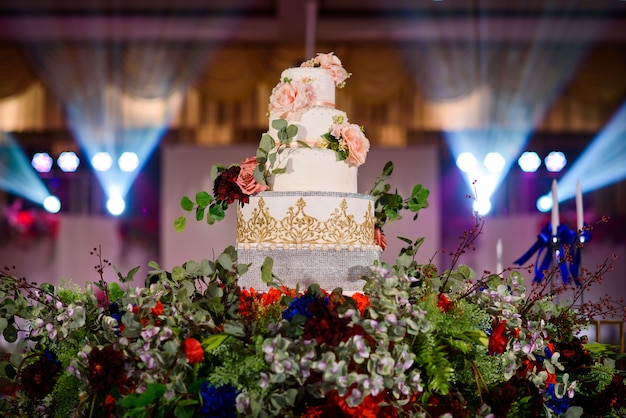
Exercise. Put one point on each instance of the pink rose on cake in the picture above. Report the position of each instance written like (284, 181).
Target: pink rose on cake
(290, 98)
(332, 64)
(245, 179)
(356, 143)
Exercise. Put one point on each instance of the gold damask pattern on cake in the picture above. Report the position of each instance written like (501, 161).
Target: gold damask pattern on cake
(300, 229)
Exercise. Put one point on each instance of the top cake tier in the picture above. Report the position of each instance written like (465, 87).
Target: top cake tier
(322, 83)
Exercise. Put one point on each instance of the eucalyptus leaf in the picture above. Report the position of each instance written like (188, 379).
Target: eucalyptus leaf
(266, 144)
(225, 261)
(279, 124)
(266, 270)
(292, 131)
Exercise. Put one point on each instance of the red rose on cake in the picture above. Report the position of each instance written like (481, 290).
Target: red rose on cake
(356, 143)
(246, 180)
(290, 98)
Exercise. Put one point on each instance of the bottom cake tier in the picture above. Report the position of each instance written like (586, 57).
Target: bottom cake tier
(330, 268)
(313, 237)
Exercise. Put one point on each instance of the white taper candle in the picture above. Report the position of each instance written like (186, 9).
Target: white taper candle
(499, 256)
(579, 207)
(555, 208)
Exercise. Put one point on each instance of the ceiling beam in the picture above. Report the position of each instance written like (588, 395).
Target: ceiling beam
(275, 30)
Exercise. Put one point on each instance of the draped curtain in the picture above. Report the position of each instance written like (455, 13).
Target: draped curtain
(229, 86)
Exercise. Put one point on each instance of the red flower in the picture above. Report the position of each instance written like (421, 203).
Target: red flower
(443, 303)
(362, 302)
(498, 338)
(158, 309)
(193, 350)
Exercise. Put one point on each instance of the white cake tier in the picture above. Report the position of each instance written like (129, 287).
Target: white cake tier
(312, 237)
(313, 123)
(312, 169)
(323, 84)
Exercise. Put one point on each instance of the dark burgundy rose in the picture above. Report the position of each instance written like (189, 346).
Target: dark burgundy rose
(574, 354)
(226, 187)
(38, 379)
(515, 389)
(106, 368)
(325, 325)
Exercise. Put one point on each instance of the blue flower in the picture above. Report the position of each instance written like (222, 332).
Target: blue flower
(558, 405)
(299, 306)
(50, 356)
(218, 402)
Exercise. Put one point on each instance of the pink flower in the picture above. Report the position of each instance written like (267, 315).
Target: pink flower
(246, 180)
(332, 64)
(357, 144)
(290, 99)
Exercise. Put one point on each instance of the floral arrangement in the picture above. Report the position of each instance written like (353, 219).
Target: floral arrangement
(332, 64)
(416, 342)
(348, 141)
(19, 224)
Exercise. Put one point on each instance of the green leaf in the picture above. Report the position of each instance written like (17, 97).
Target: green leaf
(131, 275)
(266, 270)
(303, 144)
(153, 392)
(259, 174)
(10, 333)
(185, 411)
(186, 203)
(266, 144)
(213, 341)
(115, 291)
(217, 212)
(3, 324)
(279, 124)
(180, 223)
(200, 213)
(216, 170)
(234, 328)
(279, 170)
(203, 199)
(292, 131)
(387, 169)
(225, 261)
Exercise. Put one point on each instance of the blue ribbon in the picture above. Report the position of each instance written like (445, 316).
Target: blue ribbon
(542, 244)
(565, 237)
(575, 250)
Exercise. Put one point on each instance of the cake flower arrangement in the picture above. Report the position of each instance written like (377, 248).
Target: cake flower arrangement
(289, 99)
(416, 342)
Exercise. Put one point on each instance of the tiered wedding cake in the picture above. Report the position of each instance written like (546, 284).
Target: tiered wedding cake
(311, 220)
